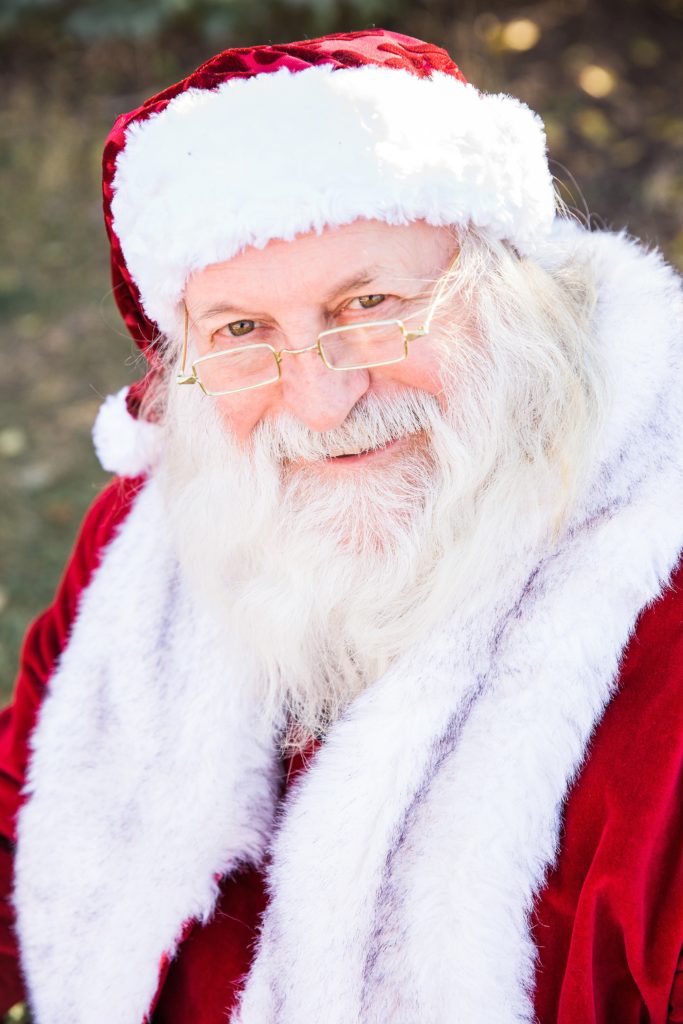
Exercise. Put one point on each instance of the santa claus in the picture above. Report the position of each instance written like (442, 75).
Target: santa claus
(359, 701)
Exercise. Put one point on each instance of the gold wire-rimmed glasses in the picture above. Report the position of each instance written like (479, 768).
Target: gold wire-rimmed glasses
(361, 346)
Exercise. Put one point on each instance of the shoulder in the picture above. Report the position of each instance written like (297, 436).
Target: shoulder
(101, 521)
(625, 271)
(651, 674)
(628, 786)
(616, 253)
(99, 526)
(638, 746)
(616, 888)
(48, 636)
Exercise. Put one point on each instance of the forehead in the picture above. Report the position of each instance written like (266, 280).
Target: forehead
(315, 264)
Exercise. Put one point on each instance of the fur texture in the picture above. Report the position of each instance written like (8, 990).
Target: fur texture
(406, 859)
(124, 445)
(151, 811)
(401, 148)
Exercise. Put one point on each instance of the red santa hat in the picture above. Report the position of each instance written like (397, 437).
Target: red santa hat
(268, 142)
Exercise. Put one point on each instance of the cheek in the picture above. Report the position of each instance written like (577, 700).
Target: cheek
(421, 370)
(241, 413)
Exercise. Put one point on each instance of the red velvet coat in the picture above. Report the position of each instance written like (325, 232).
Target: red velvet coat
(609, 922)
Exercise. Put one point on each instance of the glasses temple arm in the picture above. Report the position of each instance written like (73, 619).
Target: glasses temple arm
(184, 355)
(440, 290)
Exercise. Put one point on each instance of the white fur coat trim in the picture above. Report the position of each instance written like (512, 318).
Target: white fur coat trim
(405, 861)
(287, 152)
(150, 778)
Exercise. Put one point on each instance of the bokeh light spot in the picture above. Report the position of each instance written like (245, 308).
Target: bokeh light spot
(520, 34)
(597, 81)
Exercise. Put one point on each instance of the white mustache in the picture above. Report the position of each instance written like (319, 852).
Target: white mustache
(374, 422)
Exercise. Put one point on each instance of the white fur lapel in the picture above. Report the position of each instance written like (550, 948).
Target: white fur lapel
(407, 857)
(150, 779)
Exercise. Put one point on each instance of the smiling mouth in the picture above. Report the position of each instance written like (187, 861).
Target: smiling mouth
(363, 453)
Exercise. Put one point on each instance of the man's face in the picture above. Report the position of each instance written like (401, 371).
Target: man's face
(288, 292)
(328, 566)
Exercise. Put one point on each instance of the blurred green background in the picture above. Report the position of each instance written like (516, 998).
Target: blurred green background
(606, 76)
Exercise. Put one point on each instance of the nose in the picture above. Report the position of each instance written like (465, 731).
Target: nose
(321, 398)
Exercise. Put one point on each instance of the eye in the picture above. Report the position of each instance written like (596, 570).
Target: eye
(369, 301)
(238, 328)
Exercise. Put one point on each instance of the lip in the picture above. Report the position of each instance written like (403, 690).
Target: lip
(344, 463)
(371, 456)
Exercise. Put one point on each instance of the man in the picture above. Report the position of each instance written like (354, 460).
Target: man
(359, 700)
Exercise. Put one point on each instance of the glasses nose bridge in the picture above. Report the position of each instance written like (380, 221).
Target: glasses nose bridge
(315, 347)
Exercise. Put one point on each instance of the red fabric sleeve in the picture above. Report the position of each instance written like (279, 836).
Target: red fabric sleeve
(43, 644)
(11, 984)
(676, 1001)
(609, 923)
(202, 981)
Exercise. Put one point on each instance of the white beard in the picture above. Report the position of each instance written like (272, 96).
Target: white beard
(327, 578)
(326, 581)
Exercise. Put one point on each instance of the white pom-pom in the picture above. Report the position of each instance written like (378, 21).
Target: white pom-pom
(124, 445)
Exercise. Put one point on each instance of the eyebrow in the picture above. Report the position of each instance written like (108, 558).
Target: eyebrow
(367, 276)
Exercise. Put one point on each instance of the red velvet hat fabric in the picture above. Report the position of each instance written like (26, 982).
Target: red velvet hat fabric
(354, 49)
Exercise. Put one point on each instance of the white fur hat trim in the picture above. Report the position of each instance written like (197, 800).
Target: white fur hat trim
(288, 152)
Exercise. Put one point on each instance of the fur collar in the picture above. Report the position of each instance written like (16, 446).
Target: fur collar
(405, 861)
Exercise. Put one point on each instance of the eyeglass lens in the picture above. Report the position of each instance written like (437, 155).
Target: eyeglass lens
(348, 349)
